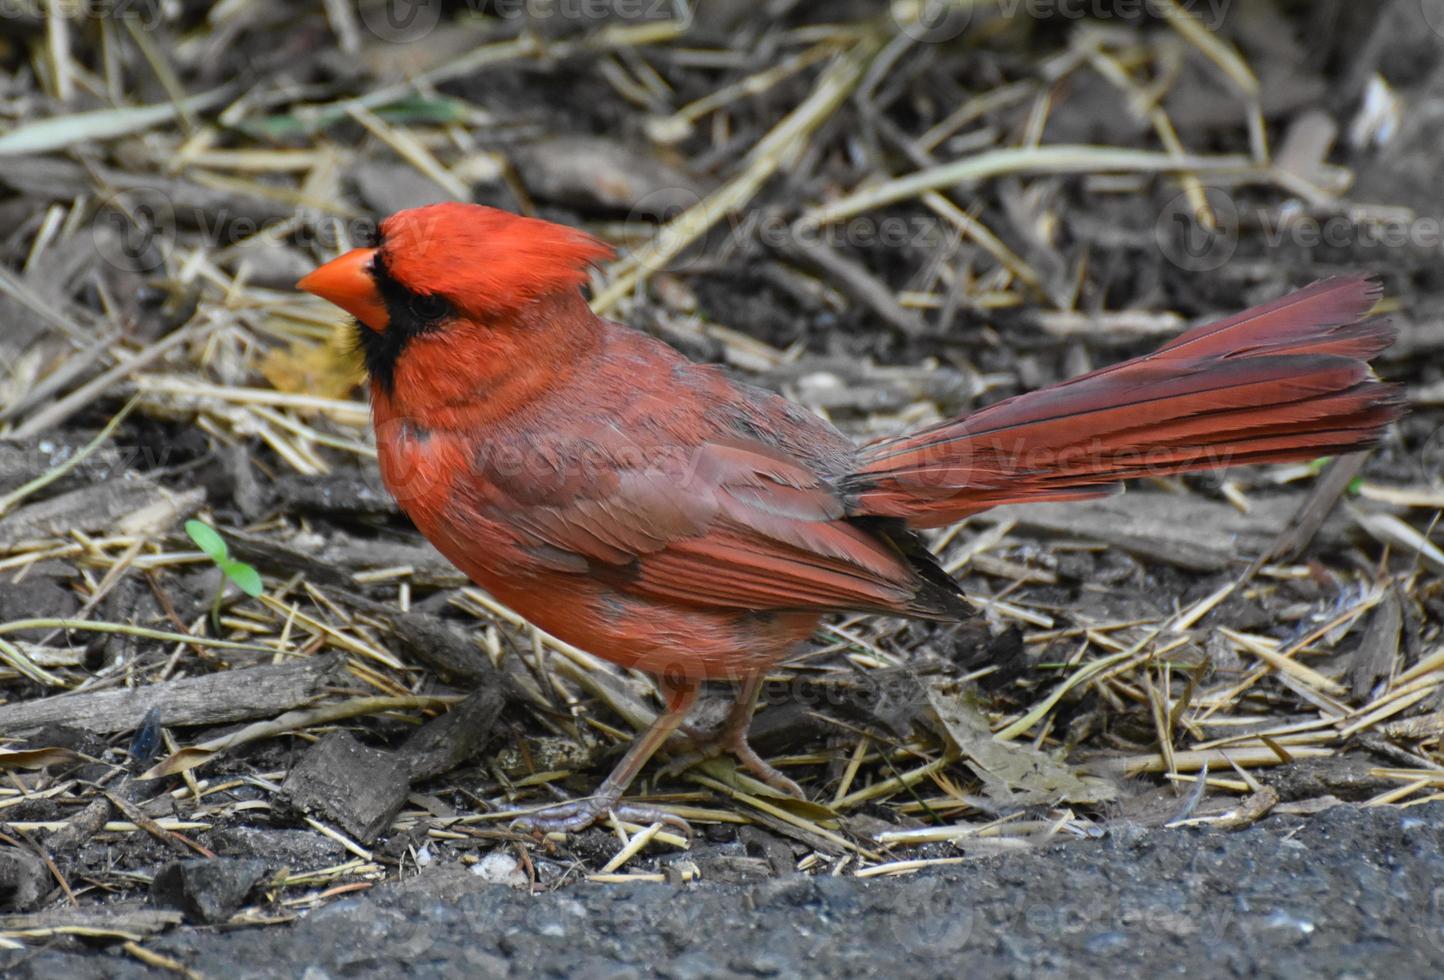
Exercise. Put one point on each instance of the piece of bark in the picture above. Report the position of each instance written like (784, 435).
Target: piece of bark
(597, 172)
(81, 827)
(207, 890)
(449, 650)
(1375, 658)
(444, 647)
(352, 786)
(450, 739)
(211, 699)
(335, 495)
(1183, 530)
(116, 506)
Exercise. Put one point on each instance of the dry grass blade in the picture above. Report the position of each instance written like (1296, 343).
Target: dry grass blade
(102, 124)
(1028, 160)
(9, 500)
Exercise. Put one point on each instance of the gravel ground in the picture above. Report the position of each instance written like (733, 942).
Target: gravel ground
(1348, 893)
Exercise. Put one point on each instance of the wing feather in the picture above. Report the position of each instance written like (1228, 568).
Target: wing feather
(734, 525)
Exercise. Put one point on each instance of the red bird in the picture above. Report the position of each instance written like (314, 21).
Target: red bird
(665, 517)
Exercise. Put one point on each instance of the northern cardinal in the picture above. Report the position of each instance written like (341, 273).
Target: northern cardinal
(666, 517)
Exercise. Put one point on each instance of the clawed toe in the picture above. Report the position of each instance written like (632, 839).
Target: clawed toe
(767, 772)
(562, 818)
(635, 813)
(738, 747)
(581, 814)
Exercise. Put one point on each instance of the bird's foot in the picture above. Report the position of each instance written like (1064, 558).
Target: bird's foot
(732, 741)
(580, 814)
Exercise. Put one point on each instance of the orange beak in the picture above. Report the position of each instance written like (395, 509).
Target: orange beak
(347, 281)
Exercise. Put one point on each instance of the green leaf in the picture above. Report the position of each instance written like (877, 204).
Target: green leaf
(411, 111)
(247, 579)
(419, 109)
(209, 540)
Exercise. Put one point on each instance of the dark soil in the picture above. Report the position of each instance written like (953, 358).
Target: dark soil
(1346, 893)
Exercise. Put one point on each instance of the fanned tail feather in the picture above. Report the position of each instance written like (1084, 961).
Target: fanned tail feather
(1282, 382)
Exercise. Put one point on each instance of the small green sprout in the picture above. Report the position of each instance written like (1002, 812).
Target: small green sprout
(209, 540)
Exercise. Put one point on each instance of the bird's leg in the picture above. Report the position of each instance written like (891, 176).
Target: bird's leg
(578, 814)
(732, 738)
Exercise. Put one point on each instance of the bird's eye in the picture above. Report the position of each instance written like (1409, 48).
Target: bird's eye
(428, 307)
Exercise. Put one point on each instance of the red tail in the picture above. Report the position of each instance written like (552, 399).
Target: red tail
(1281, 382)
